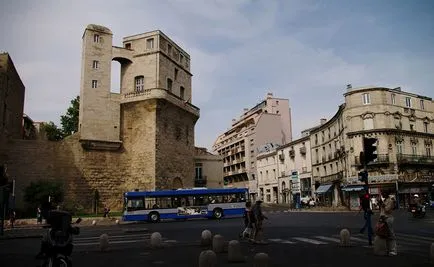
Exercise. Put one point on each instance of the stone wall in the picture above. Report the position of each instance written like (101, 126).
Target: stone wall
(174, 147)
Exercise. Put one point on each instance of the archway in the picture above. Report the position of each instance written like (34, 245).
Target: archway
(177, 183)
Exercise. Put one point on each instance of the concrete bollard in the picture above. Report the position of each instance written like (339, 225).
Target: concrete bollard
(218, 244)
(104, 242)
(156, 240)
(94, 222)
(117, 221)
(345, 238)
(380, 246)
(234, 252)
(261, 260)
(206, 238)
(432, 254)
(207, 258)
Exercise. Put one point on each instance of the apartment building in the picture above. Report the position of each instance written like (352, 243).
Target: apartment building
(267, 172)
(267, 122)
(403, 124)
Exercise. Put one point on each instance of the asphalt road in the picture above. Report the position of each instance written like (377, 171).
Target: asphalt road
(294, 238)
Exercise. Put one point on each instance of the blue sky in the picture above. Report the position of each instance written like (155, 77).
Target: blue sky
(303, 50)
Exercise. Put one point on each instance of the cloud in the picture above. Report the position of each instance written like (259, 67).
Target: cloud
(306, 51)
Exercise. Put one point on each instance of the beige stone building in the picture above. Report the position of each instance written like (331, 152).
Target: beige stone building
(208, 169)
(239, 144)
(401, 121)
(267, 172)
(403, 124)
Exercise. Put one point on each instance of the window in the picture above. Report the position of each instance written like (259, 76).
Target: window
(425, 127)
(94, 83)
(408, 102)
(368, 124)
(414, 149)
(428, 151)
(182, 92)
(96, 38)
(366, 99)
(198, 170)
(140, 84)
(393, 99)
(150, 43)
(128, 45)
(399, 148)
(176, 74)
(181, 58)
(169, 49)
(422, 104)
(411, 127)
(95, 64)
(169, 84)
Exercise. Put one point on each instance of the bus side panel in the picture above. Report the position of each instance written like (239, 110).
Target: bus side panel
(229, 209)
(134, 217)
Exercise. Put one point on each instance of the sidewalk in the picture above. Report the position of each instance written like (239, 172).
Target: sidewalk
(272, 208)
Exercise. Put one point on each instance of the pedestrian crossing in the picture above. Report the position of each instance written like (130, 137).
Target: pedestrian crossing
(414, 244)
(117, 239)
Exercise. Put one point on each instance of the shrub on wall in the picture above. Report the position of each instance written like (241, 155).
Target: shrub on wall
(44, 193)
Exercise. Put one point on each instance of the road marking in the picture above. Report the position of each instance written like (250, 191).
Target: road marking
(288, 242)
(328, 239)
(415, 236)
(275, 240)
(110, 242)
(307, 240)
(113, 236)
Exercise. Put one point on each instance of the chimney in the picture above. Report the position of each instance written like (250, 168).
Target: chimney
(349, 86)
(322, 121)
(234, 120)
(269, 95)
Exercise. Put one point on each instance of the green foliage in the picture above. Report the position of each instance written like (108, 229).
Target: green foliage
(69, 121)
(38, 192)
(52, 131)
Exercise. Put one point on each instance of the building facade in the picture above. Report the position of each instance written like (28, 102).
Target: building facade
(239, 144)
(208, 169)
(403, 124)
(267, 173)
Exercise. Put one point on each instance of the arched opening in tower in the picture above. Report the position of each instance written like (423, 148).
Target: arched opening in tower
(115, 85)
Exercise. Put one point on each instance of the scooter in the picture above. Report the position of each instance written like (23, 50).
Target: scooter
(418, 212)
(57, 245)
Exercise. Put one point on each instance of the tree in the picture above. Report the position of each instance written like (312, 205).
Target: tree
(39, 193)
(52, 132)
(69, 121)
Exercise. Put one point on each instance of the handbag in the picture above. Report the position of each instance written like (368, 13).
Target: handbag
(381, 228)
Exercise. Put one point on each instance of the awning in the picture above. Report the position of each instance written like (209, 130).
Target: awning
(355, 188)
(322, 189)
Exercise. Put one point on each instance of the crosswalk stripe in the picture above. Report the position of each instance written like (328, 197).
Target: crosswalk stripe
(328, 239)
(275, 239)
(113, 236)
(111, 242)
(415, 236)
(288, 242)
(307, 240)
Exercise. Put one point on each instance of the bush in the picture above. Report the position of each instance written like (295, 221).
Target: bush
(38, 193)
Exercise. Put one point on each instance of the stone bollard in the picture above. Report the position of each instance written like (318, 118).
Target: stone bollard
(260, 260)
(117, 221)
(345, 238)
(380, 246)
(156, 240)
(206, 238)
(218, 244)
(234, 252)
(432, 254)
(94, 222)
(207, 258)
(104, 242)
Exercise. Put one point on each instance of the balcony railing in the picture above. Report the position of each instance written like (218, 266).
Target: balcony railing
(200, 181)
(414, 159)
(381, 159)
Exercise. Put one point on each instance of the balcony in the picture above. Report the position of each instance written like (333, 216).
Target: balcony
(415, 159)
(200, 181)
(303, 150)
(160, 93)
(381, 159)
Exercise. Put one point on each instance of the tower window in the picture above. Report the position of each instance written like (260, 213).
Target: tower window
(96, 38)
(128, 46)
(182, 92)
(176, 74)
(140, 84)
(169, 84)
(95, 64)
(181, 58)
(94, 83)
(408, 102)
(150, 43)
(169, 49)
(366, 99)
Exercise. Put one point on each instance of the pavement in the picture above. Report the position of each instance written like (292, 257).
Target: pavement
(300, 238)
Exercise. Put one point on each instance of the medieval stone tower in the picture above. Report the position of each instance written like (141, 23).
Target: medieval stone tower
(148, 128)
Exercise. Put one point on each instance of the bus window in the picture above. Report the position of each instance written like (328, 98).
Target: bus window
(164, 202)
(135, 204)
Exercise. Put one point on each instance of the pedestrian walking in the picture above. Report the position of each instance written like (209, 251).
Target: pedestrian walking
(387, 207)
(38, 215)
(259, 218)
(367, 214)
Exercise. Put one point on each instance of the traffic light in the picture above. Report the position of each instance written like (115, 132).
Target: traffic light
(369, 150)
(363, 176)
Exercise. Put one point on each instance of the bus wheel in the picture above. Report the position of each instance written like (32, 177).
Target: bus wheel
(218, 213)
(154, 217)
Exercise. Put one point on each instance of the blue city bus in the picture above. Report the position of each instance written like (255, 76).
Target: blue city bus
(154, 206)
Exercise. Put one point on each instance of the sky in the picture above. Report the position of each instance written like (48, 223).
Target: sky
(305, 51)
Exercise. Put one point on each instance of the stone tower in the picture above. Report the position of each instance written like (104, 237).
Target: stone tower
(150, 123)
